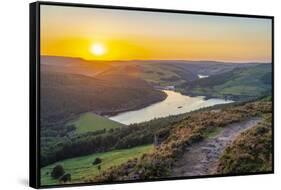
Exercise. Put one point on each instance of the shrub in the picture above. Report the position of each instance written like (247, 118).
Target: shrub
(97, 161)
(57, 172)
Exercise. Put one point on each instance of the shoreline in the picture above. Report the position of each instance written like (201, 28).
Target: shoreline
(143, 105)
(107, 114)
(208, 96)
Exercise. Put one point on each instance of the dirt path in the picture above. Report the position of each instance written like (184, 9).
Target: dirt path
(201, 158)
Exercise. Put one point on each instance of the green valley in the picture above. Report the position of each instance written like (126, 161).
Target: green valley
(92, 148)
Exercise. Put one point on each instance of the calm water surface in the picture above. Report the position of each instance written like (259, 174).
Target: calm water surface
(174, 104)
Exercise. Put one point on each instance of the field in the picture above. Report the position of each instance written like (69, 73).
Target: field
(89, 122)
(80, 168)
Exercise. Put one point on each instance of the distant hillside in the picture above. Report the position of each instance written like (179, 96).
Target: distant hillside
(167, 73)
(65, 95)
(72, 65)
(199, 67)
(237, 84)
(163, 74)
(155, 72)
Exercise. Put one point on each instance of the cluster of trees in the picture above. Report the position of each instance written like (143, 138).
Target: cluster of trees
(104, 140)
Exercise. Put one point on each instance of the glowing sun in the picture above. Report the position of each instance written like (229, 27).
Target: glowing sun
(98, 49)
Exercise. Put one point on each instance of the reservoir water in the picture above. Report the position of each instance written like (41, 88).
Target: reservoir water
(175, 103)
(202, 76)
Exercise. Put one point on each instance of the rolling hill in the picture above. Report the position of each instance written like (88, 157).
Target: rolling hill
(176, 72)
(73, 65)
(155, 72)
(64, 95)
(237, 84)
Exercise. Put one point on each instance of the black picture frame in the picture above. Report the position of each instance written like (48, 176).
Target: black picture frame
(34, 93)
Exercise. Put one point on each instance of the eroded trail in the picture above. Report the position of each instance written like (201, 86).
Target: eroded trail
(202, 158)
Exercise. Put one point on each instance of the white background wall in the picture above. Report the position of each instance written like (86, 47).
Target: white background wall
(14, 80)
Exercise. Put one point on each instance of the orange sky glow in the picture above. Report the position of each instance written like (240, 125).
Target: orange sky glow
(138, 35)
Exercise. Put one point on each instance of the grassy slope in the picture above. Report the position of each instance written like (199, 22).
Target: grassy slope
(81, 168)
(165, 74)
(238, 84)
(92, 122)
(250, 79)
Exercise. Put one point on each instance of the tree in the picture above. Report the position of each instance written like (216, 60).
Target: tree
(97, 161)
(57, 171)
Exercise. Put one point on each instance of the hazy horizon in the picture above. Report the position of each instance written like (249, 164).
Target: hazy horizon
(128, 60)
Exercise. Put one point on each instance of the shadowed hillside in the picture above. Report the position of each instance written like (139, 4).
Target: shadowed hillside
(65, 95)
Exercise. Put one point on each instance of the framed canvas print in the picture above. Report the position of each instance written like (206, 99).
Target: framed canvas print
(122, 94)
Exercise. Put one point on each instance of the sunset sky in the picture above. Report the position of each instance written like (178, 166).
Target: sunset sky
(106, 34)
